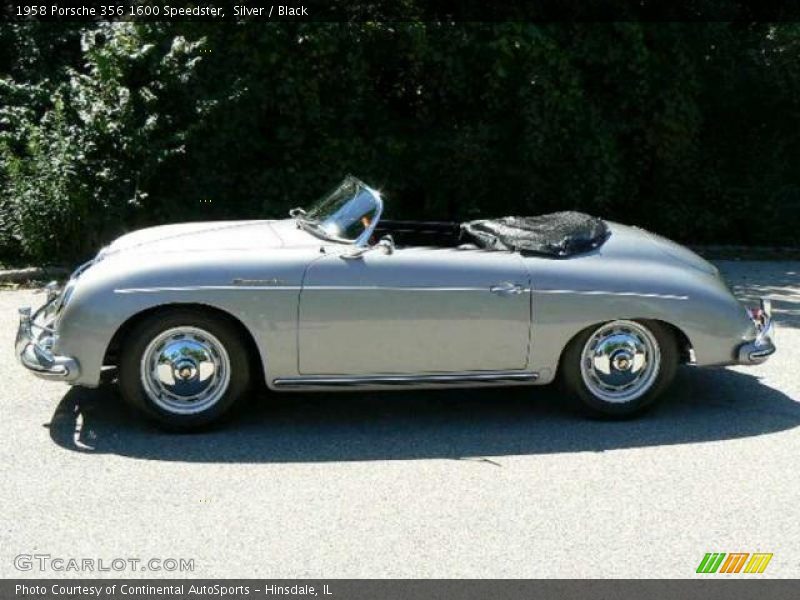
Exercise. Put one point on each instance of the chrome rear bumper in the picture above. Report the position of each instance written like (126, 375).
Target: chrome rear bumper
(33, 347)
(762, 347)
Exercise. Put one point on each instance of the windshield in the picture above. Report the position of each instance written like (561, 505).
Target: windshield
(348, 214)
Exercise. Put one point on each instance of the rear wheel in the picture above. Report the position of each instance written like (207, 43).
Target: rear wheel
(619, 368)
(184, 368)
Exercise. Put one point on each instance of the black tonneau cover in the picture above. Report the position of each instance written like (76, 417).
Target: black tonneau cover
(559, 234)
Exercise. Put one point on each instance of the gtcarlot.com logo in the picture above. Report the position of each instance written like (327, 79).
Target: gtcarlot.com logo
(734, 562)
(59, 564)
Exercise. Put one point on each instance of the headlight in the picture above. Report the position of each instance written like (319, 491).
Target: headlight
(66, 295)
(77, 272)
(100, 255)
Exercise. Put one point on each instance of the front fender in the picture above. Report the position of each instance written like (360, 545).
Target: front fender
(261, 294)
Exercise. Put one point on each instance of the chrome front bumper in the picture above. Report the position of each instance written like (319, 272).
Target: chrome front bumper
(34, 343)
(762, 347)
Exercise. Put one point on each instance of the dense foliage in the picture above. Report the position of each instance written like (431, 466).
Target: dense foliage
(690, 130)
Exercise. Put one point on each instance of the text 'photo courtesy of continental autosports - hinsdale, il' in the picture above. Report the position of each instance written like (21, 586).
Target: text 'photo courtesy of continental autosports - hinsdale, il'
(190, 316)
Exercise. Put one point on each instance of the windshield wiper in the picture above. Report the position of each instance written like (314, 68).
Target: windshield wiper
(310, 225)
(299, 216)
(313, 227)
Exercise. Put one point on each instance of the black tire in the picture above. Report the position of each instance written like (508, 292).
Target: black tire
(587, 402)
(136, 344)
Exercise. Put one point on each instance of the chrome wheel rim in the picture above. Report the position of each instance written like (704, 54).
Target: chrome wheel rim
(185, 370)
(620, 362)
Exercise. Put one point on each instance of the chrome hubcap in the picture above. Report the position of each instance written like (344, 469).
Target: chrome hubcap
(185, 370)
(620, 361)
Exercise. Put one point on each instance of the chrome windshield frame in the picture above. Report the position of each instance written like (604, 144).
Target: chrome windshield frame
(363, 239)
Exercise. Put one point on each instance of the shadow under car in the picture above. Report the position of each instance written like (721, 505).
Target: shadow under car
(702, 405)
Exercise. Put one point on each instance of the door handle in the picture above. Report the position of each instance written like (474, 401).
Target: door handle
(506, 289)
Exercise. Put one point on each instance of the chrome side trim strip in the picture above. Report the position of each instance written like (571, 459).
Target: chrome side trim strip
(373, 288)
(443, 378)
(366, 288)
(398, 288)
(200, 288)
(608, 293)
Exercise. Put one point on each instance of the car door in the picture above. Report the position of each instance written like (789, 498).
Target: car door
(417, 310)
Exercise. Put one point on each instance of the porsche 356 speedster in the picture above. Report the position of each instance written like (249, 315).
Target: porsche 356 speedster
(190, 316)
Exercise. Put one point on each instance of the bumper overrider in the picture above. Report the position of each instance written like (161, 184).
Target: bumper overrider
(762, 347)
(36, 337)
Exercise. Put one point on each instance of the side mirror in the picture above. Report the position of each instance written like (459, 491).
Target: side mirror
(386, 244)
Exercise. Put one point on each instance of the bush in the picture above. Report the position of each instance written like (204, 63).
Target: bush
(76, 169)
(681, 128)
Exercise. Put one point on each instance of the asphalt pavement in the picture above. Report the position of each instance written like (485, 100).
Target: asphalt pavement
(476, 483)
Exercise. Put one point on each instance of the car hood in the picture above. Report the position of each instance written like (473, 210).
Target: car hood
(213, 235)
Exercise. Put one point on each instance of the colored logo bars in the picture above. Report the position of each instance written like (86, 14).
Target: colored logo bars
(714, 562)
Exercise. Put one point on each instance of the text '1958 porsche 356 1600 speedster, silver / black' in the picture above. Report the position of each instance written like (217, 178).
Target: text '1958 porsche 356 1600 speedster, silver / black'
(337, 297)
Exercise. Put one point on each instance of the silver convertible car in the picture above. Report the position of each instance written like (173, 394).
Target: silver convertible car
(192, 315)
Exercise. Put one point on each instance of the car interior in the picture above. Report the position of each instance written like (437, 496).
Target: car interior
(439, 234)
(554, 235)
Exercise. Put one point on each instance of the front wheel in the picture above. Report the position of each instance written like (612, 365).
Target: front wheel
(619, 368)
(184, 368)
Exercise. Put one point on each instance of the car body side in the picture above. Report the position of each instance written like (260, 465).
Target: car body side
(633, 276)
(636, 276)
